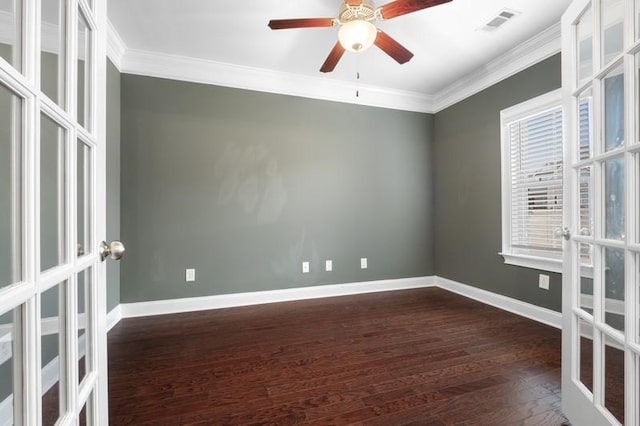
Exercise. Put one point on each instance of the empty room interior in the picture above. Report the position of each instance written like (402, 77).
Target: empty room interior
(322, 212)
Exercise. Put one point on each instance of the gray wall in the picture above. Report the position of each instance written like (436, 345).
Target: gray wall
(243, 186)
(113, 180)
(468, 225)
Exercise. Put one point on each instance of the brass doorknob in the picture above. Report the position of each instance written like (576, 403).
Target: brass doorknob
(115, 250)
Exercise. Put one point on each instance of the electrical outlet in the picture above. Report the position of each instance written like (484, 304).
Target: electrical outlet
(543, 282)
(190, 275)
(363, 263)
(328, 265)
(305, 267)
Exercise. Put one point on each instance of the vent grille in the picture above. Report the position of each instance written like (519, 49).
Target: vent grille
(499, 20)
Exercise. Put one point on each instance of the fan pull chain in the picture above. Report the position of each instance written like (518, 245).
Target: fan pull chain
(357, 75)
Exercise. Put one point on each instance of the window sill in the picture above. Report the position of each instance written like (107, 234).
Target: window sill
(551, 265)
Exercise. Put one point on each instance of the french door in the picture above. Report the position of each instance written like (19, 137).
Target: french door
(52, 203)
(601, 334)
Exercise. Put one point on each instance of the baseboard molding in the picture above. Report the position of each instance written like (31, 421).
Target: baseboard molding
(172, 306)
(113, 317)
(528, 310)
(192, 304)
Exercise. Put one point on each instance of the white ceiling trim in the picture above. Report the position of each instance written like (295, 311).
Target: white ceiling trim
(115, 46)
(262, 80)
(154, 64)
(521, 57)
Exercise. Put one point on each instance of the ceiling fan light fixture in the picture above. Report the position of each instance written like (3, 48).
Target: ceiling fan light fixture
(357, 35)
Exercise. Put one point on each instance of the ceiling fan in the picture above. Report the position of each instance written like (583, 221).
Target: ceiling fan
(357, 31)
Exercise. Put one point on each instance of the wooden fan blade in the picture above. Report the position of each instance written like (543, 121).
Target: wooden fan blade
(333, 58)
(285, 24)
(402, 7)
(353, 2)
(392, 48)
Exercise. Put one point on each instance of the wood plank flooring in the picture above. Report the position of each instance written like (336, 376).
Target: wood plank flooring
(417, 357)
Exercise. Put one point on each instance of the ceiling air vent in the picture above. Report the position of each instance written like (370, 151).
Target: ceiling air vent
(504, 16)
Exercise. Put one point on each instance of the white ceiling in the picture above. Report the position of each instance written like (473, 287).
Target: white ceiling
(445, 39)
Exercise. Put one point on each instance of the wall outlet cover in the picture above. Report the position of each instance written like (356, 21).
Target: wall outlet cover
(543, 282)
(190, 275)
(328, 265)
(305, 267)
(363, 263)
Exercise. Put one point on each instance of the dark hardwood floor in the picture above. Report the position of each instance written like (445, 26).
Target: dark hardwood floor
(418, 357)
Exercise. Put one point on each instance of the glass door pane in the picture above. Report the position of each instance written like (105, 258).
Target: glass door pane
(52, 57)
(585, 197)
(637, 7)
(584, 47)
(614, 198)
(10, 188)
(11, 43)
(612, 21)
(637, 319)
(614, 379)
(613, 89)
(585, 370)
(52, 358)
(85, 322)
(83, 160)
(614, 311)
(87, 412)
(52, 193)
(10, 364)
(637, 98)
(586, 278)
(585, 124)
(84, 40)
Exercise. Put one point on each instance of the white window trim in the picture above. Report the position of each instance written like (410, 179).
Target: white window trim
(522, 110)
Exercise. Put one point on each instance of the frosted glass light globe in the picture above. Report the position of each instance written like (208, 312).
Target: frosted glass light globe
(357, 35)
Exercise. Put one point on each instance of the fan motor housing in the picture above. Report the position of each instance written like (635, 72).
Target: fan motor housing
(364, 11)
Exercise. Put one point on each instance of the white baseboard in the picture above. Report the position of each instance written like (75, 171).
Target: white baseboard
(172, 306)
(192, 304)
(113, 317)
(528, 310)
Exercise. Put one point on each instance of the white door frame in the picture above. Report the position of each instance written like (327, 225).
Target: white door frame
(579, 404)
(25, 295)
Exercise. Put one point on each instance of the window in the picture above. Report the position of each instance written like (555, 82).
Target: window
(532, 183)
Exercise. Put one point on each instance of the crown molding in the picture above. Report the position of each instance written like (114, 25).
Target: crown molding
(521, 57)
(262, 80)
(116, 47)
(174, 67)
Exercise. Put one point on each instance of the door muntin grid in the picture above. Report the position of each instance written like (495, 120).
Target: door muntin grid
(45, 89)
(606, 306)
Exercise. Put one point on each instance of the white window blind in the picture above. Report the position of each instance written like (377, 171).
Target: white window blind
(536, 182)
(532, 146)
